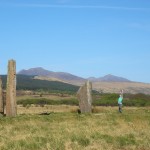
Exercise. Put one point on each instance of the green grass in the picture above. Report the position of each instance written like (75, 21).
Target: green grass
(44, 101)
(106, 129)
(138, 100)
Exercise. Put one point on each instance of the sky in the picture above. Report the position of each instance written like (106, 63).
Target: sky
(87, 38)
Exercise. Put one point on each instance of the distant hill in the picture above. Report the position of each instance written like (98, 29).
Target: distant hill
(109, 78)
(42, 78)
(67, 77)
(50, 74)
(25, 82)
(128, 87)
(36, 71)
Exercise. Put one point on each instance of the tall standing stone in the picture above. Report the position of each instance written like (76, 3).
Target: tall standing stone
(84, 95)
(1, 97)
(11, 106)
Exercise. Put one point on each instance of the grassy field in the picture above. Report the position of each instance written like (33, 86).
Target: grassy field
(65, 129)
(55, 96)
(105, 99)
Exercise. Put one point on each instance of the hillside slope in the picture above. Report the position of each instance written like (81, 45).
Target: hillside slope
(106, 84)
(128, 87)
(29, 83)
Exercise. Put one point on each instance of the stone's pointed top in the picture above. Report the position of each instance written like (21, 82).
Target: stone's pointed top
(88, 81)
(11, 60)
(89, 84)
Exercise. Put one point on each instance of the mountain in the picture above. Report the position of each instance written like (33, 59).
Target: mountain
(109, 78)
(40, 72)
(106, 84)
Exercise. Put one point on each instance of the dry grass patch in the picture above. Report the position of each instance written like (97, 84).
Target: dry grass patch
(32, 109)
(106, 129)
(45, 96)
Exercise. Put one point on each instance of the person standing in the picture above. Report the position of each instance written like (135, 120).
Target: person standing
(120, 102)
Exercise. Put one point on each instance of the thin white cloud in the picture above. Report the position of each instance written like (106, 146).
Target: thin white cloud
(80, 6)
(63, 1)
(139, 26)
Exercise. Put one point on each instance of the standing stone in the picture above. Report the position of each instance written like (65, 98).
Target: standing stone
(84, 95)
(11, 106)
(1, 97)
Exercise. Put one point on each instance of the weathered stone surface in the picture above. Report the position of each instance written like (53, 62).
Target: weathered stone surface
(1, 97)
(84, 95)
(11, 106)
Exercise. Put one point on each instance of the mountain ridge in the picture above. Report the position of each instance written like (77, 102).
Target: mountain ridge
(110, 78)
(102, 86)
(39, 71)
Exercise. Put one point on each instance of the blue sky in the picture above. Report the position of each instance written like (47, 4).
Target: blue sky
(82, 37)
